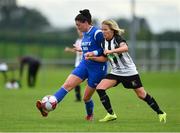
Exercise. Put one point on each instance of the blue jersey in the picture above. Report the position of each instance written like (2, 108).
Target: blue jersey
(92, 41)
(91, 70)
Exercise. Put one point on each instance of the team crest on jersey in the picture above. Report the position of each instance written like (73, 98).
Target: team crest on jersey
(134, 83)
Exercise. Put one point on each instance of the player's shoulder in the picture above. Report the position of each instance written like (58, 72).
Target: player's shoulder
(97, 32)
(96, 29)
(119, 39)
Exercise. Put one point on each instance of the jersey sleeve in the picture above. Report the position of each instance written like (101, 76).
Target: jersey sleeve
(119, 40)
(99, 39)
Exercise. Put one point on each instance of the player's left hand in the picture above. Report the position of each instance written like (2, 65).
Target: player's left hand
(88, 58)
(89, 54)
(106, 52)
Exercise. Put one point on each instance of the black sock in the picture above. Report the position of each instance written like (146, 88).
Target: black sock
(78, 92)
(153, 104)
(105, 100)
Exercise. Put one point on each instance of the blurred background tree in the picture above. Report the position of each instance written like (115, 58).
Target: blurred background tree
(21, 18)
(29, 24)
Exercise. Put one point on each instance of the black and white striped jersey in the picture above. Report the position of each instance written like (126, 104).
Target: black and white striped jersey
(78, 54)
(121, 64)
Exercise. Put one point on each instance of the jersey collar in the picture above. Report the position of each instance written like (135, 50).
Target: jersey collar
(89, 30)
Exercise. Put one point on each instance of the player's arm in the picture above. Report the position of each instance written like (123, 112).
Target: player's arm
(98, 52)
(73, 50)
(77, 48)
(97, 58)
(68, 49)
(123, 48)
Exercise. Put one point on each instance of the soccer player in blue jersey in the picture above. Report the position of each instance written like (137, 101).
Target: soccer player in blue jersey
(91, 70)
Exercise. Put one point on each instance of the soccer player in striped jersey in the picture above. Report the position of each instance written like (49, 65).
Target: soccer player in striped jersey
(91, 70)
(123, 70)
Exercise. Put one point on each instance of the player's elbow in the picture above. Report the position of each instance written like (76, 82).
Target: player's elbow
(126, 48)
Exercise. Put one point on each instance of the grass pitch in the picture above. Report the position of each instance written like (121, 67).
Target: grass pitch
(18, 112)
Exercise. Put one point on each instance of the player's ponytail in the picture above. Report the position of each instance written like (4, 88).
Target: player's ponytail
(84, 16)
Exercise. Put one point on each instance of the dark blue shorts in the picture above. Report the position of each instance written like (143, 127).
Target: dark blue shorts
(93, 73)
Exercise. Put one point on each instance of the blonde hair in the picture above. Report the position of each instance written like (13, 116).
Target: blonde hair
(114, 26)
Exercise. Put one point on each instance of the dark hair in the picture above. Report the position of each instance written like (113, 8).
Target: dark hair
(84, 16)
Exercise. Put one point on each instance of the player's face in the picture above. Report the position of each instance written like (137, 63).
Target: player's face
(83, 27)
(107, 32)
(79, 33)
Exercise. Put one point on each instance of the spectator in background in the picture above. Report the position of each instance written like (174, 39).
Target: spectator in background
(3, 70)
(77, 45)
(33, 67)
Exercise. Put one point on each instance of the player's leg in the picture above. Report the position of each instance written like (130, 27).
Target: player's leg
(74, 79)
(29, 77)
(142, 94)
(135, 83)
(34, 74)
(89, 105)
(33, 78)
(78, 92)
(95, 75)
(101, 90)
(78, 75)
(68, 85)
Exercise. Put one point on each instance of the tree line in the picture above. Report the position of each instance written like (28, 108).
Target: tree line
(22, 25)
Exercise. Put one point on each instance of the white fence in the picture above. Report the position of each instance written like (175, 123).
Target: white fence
(157, 56)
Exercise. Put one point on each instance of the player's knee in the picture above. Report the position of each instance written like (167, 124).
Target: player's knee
(68, 85)
(86, 99)
(99, 86)
(141, 93)
(140, 96)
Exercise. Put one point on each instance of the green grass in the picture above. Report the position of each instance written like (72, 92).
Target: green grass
(18, 112)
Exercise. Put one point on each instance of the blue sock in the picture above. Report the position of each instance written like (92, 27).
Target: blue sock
(89, 107)
(60, 94)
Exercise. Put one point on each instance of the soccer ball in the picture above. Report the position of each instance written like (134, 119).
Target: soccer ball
(49, 103)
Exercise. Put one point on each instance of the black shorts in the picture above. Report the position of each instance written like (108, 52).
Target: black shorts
(129, 82)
